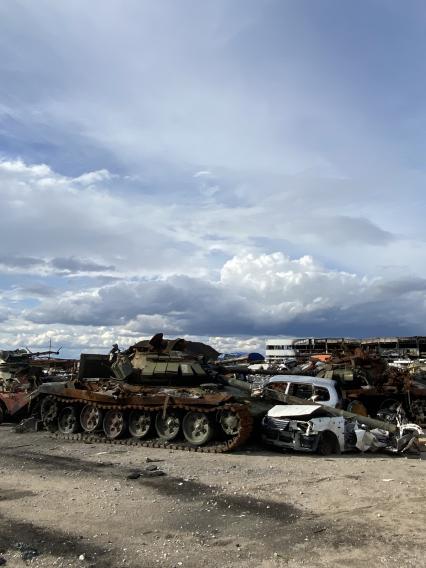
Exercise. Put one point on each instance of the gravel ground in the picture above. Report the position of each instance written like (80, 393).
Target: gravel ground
(73, 504)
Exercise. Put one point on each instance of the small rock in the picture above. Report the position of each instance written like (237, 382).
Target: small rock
(151, 467)
(82, 557)
(2, 560)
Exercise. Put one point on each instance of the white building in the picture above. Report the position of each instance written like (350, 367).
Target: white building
(282, 348)
(391, 347)
(278, 349)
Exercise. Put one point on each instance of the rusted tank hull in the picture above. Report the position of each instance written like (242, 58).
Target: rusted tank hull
(179, 418)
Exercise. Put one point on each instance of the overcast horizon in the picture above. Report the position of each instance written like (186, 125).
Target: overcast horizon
(221, 171)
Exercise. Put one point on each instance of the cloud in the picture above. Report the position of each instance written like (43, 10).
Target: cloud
(42, 266)
(75, 265)
(162, 197)
(64, 217)
(344, 229)
(255, 295)
(20, 262)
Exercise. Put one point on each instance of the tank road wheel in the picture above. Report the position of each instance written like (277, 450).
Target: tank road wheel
(197, 428)
(168, 427)
(115, 424)
(49, 410)
(230, 422)
(91, 418)
(68, 422)
(139, 423)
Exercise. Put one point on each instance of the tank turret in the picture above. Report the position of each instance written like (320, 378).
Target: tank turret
(158, 361)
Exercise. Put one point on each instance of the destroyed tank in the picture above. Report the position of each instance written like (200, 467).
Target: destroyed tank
(158, 393)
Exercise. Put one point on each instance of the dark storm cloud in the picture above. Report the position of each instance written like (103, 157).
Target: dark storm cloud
(196, 307)
(187, 302)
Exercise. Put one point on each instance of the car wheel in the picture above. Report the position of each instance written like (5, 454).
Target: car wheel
(328, 444)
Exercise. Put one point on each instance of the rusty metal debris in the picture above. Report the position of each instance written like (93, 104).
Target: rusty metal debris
(150, 394)
(309, 425)
(21, 373)
(368, 382)
(168, 393)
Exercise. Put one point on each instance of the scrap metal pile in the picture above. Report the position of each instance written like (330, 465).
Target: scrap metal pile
(368, 382)
(177, 394)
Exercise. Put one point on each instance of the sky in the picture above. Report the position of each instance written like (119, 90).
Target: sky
(219, 170)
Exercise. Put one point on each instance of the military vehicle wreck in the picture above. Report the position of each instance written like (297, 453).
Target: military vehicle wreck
(156, 393)
(21, 373)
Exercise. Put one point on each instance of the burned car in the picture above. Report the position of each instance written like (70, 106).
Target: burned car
(326, 391)
(307, 428)
(314, 428)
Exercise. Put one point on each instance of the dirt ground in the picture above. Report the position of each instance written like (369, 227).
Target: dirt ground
(73, 503)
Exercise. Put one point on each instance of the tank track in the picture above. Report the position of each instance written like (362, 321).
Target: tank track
(219, 446)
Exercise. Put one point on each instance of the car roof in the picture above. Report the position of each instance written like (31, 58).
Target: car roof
(316, 381)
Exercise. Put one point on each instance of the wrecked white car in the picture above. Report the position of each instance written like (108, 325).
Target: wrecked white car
(311, 428)
(306, 428)
(324, 391)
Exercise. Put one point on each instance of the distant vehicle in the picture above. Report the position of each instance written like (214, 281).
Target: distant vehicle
(240, 357)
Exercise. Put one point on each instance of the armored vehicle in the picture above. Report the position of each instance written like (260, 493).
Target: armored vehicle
(21, 372)
(157, 393)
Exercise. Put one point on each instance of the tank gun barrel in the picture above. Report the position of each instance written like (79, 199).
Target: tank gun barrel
(245, 370)
(40, 353)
